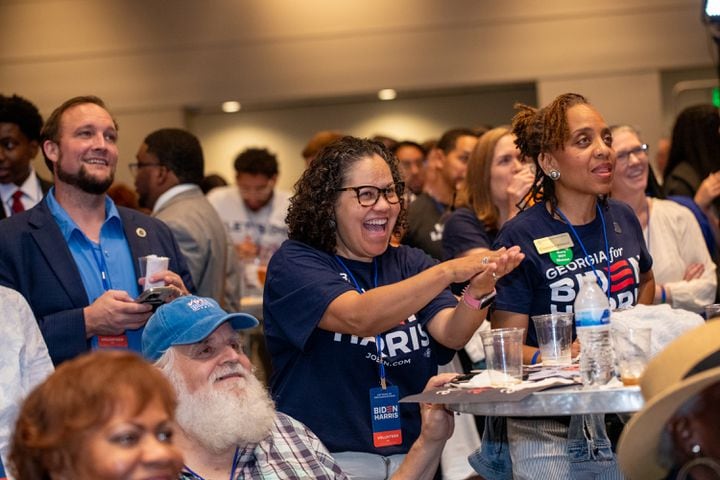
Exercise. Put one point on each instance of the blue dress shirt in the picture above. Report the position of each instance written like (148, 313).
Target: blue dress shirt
(106, 265)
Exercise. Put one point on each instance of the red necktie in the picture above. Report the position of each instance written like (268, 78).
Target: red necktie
(17, 205)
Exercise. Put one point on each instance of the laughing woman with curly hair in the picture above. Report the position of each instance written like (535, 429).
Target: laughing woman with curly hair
(351, 321)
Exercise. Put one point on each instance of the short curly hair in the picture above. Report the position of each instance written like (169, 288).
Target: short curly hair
(22, 113)
(256, 161)
(311, 215)
(541, 131)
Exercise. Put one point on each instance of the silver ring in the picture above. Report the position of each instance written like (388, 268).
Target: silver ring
(485, 260)
(494, 277)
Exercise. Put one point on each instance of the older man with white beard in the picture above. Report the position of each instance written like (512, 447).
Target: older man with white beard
(228, 426)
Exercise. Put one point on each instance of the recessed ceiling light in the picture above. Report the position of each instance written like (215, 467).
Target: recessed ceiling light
(231, 107)
(387, 94)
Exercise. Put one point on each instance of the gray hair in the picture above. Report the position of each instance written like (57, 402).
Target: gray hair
(626, 127)
(166, 362)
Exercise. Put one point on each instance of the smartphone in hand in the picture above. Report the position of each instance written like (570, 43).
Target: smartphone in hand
(156, 296)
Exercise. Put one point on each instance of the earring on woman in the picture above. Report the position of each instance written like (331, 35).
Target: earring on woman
(709, 463)
(554, 175)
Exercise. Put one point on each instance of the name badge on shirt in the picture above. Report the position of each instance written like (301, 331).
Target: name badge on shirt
(112, 341)
(551, 244)
(385, 414)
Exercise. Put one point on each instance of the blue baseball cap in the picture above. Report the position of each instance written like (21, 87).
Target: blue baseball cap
(187, 320)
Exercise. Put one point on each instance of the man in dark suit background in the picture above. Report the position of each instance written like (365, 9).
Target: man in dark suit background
(20, 187)
(74, 256)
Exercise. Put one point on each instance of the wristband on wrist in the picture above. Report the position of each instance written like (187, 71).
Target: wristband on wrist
(663, 294)
(535, 357)
(478, 303)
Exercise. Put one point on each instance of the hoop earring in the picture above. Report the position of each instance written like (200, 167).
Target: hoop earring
(554, 175)
(709, 463)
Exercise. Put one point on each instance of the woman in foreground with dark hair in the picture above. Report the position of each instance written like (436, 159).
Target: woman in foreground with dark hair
(353, 324)
(107, 414)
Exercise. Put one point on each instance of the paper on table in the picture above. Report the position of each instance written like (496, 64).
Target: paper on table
(483, 380)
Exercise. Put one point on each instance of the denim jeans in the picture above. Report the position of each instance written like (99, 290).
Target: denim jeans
(492, 459)
(544, 448)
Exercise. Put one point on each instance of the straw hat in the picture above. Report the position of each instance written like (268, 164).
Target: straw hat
(685, 367)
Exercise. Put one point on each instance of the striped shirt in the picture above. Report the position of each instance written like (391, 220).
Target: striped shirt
(291, 451)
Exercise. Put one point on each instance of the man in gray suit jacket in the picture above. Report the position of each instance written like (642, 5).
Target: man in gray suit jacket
(169, 167)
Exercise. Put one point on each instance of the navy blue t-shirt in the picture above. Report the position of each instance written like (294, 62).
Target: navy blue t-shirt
(464, 231)
(539, 285)
(323, 378)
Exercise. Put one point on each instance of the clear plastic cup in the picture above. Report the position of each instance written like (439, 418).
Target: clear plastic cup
(554, 335)
(632, 352)
(149, 266)
(503, 355)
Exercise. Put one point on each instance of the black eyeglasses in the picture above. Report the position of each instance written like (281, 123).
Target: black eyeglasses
(134, 167)
(637, 151)
(368, 195)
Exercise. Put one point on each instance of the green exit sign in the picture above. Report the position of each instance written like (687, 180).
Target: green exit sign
(716, 96)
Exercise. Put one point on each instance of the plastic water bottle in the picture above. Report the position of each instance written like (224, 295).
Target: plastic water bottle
(592, 321)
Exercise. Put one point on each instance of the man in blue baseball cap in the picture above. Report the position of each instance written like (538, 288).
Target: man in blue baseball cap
(228, 426)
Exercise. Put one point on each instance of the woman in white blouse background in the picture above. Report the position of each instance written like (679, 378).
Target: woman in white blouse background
(684, 272)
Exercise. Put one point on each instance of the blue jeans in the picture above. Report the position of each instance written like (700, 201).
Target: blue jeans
(492, 459)
(543, 448)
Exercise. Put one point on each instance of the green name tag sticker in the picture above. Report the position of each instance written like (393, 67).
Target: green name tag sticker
(562, 256)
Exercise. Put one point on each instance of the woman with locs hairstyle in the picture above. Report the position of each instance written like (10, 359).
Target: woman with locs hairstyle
(573, 230)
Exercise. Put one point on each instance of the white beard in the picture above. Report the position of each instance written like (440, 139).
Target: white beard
(219, 418)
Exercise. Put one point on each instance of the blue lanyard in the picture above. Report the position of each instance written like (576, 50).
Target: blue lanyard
(235, 464)
(383, 382)
(582, 245)
(102, 266)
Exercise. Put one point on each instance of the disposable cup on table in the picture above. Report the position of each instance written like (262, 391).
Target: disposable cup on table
(554, 335)
(632, 352)
(503, 355)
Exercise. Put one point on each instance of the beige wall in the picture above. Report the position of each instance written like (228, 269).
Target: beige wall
(153, 59)
(631, 98)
